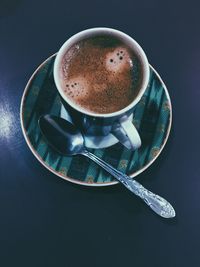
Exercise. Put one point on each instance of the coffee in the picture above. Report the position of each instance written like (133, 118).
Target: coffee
(101, 74)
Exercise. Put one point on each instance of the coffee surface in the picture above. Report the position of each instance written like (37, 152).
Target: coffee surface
(100, 74)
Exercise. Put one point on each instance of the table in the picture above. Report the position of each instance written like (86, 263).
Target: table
(46, 221)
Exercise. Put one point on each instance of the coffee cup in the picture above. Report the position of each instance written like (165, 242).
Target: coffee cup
(98, 97)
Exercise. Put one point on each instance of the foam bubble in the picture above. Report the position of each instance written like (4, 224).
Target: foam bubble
(76, 87)
(117, 60)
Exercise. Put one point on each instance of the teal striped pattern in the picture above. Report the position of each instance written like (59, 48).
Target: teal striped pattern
(152, 118)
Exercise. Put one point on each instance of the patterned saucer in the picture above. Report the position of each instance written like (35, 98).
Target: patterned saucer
(152, 118)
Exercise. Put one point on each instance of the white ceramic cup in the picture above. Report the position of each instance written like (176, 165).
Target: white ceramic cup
(117, 123)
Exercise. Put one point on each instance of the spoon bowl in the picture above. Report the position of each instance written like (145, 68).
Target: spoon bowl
(61, 135)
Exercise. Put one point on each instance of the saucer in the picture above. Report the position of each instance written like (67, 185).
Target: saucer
(152, 118)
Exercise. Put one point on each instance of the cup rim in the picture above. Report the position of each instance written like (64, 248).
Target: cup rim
(99, 30)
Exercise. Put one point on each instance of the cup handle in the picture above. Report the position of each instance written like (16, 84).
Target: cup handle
(127, 134)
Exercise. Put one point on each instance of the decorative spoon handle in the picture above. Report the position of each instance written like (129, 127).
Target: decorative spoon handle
(158, 204)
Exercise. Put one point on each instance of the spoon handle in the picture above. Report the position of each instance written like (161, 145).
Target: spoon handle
(158, 204)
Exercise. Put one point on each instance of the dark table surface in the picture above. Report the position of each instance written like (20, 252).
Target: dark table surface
(46, 221)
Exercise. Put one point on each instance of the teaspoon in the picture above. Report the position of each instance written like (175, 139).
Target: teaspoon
(66, 139)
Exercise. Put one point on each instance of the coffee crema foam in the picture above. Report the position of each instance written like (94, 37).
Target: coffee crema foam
(100, 74)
